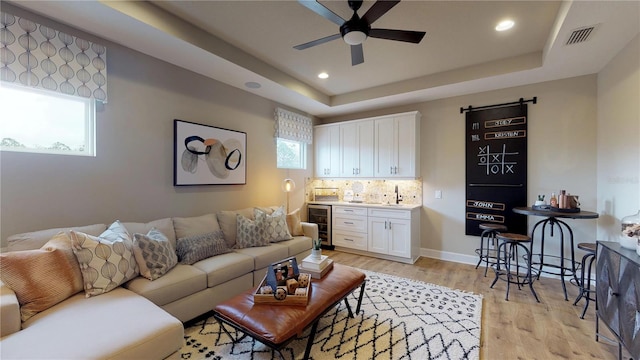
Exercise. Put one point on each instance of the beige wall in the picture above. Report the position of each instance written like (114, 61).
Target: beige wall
(619, 140)
(562, 155)
(131, 178)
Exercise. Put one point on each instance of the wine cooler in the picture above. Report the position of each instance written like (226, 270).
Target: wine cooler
(321, 215)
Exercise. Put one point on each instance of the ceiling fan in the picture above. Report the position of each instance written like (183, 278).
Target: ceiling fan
(357, 29)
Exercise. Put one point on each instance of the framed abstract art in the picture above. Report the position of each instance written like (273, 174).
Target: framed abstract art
(208, 155)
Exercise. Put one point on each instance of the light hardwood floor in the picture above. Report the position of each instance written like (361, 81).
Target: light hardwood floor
(519, 328)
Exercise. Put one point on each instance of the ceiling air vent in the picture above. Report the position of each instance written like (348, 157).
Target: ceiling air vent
(581, 34)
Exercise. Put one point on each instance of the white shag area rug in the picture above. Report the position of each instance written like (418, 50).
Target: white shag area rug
(399, 319)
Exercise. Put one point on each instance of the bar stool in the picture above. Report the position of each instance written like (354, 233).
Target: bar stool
(485, 253)
(585, 287)
(508, 252)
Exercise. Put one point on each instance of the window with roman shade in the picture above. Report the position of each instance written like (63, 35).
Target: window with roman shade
(293, 133)
(39, 56)
(292, 126)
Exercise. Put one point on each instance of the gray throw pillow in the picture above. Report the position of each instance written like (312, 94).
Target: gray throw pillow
(194, 248)
(249, 233)
(154, 253)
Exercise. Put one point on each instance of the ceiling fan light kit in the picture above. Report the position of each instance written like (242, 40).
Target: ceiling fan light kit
(356, 30)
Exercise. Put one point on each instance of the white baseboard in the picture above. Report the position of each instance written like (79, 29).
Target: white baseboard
(473, 260)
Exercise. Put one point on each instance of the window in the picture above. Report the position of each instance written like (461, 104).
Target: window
(33, 120)
(291, 154)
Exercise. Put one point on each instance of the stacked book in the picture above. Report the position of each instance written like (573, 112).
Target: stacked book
(316, 267)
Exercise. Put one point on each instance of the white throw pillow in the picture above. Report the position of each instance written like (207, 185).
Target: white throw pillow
(273, 227)
(104, 264)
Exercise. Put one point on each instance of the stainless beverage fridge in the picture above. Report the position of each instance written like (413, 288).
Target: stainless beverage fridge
(321, 215)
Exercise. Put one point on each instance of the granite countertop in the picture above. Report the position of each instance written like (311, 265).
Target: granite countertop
(367, 205)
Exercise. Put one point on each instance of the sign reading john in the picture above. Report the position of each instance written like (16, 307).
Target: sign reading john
(496, 161)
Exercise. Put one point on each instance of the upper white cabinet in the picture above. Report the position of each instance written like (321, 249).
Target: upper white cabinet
(327, 151)
(397, 146)
(356, 146)
(383, 147)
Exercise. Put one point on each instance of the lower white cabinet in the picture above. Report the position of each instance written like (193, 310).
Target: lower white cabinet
(392, 234)
(349, 227)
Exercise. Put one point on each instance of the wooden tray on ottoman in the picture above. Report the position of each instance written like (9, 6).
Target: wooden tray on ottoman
(270, 280)
(295, 300)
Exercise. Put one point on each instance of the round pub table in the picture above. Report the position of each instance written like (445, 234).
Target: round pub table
(553, 222)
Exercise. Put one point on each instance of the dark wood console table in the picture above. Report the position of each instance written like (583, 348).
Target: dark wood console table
(618, 295)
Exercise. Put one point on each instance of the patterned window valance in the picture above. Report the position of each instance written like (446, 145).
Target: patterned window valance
(292, 126)
(35, 55)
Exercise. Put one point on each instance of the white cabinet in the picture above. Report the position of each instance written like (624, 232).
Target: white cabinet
(384, 147)
(356, 149)
(397, 146)
(390, 232)
(349, 227)
(327, 151)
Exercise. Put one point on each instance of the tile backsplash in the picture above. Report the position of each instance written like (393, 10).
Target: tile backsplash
(373, 190)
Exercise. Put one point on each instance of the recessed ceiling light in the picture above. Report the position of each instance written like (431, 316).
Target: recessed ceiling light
(323, 75)
(504, 25)
(252, 85)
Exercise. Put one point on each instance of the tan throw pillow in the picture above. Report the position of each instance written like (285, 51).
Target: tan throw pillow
(229, 224)
(104, 264)
(197, 225)
(154, 253)
(294, 224)
(44, 277)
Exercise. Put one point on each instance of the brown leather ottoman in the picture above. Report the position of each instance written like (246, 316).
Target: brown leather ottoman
(276, 325)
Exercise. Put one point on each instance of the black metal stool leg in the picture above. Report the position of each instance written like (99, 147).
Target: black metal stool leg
(587, 289)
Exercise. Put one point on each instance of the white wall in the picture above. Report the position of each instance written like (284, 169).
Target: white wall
(619, 140)
(561, 155)
(131, 178)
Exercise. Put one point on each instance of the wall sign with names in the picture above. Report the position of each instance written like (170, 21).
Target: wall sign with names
(496, 168)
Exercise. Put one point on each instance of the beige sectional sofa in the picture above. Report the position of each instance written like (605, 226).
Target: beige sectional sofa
(142, 319)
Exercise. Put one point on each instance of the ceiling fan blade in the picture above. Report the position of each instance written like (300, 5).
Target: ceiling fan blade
(357, 56)
(398, 35)
(317, 42)
(378, 9)
(323, 11)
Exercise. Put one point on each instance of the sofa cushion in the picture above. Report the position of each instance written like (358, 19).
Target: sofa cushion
(294, 224)
(177, 283)
(117, 325)
(297, 245)
(36, 239)
(197, 247)
(229, 223)
(104, 264)
(197, 225)
(154, 253)
(225, 267)
(165, 226)
(265, 255)
(273, 227)
(42, 278)
(249, 233)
